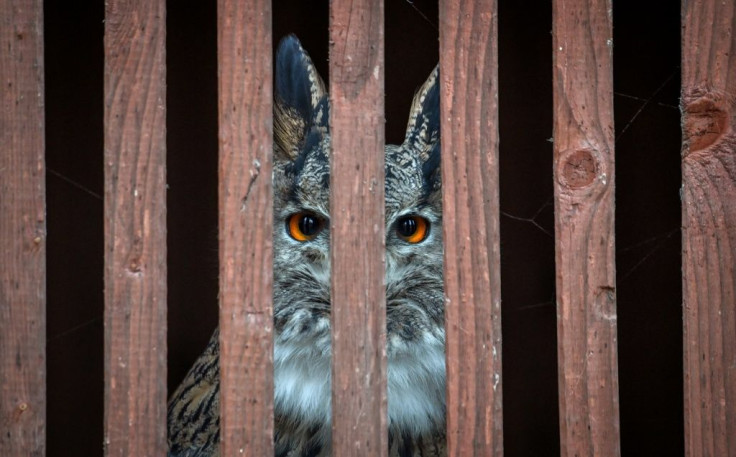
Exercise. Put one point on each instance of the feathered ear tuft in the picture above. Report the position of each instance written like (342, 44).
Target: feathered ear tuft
(424, 118)
(423, 131)
(300, 101)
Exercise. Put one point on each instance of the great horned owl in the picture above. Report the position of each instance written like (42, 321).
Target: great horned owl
(301, 288)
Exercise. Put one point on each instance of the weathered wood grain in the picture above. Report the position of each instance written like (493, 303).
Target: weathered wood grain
(22, 231)
(135, 228)
(709, 226)
(359, 404)
(246, 322)
(584, 228)
(469, 91)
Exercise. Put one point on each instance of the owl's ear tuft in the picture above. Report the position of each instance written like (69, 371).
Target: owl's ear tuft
(300, 101)
(423, 130)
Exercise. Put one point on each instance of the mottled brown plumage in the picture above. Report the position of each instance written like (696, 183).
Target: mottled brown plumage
(414, 288)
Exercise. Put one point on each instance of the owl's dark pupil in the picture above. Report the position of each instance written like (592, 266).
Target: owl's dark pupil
(407, 227)
(308, 225)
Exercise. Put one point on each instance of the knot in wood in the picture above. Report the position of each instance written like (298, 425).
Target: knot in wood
(706, 121)
(578, 168)
(19, 410)
(134, 266)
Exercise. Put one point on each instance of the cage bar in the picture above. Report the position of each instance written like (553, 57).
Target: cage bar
(357, 238)
(469, 107)
(135, 227)
(245, 225)
(709, 226)
(22, 231)
(584, 227)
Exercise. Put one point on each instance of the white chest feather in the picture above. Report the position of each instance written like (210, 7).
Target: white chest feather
(416, 385)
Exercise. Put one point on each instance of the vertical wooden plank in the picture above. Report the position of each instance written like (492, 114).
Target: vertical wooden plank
(469, 104)
(22, 231)
(135, 228)
(246, 322)
(709, 226)
(584, 227)
(359, 405)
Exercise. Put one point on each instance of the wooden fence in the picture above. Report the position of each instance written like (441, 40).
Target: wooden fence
(584, 177)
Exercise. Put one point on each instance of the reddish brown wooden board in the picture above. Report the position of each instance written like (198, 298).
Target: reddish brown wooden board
(469, 103)
(584, 228)
(359, 405)
(246, 323)
(709, 226)
(22, 231)
(135, 228)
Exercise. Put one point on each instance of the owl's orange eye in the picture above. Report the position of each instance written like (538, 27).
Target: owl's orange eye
(304, 226)
(412, 229)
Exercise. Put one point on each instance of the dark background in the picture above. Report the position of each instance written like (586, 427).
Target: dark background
(646, 85)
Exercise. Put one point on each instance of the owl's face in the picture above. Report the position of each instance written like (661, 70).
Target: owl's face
(414, 287)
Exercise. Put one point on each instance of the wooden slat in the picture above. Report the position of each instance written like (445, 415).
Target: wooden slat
(246, 323)
(709, 226)
(135, 228)
(469, 75)
(22, 231)
(359, 405)
(584, 228)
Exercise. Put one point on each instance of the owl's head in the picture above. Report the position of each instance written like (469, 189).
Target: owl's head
(414, 287)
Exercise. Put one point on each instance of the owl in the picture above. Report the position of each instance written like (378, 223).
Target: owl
(301, 282)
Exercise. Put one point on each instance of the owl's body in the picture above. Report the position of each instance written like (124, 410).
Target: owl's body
(414, 288)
